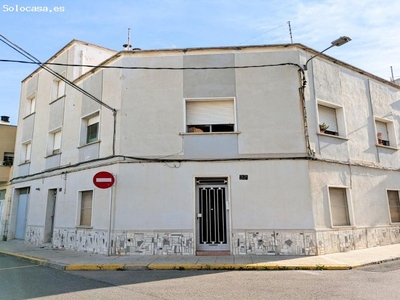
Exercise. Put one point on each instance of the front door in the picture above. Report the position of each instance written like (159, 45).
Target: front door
(21, 214)
(212, 214)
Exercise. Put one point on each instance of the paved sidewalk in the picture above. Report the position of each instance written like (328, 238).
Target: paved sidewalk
(73, 260)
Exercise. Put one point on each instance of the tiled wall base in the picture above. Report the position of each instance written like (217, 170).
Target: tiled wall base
(355, 239)
(124, 243)
(262, 242)
(274, 243)
(154, 243)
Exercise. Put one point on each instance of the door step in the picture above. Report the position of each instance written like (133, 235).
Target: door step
(213, 253)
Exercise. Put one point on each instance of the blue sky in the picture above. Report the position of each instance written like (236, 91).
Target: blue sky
(373, 26)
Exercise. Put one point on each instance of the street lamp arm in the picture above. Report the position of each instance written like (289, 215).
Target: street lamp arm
(336, 43)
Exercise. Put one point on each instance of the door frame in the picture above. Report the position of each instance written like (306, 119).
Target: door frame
(228, 213)
(50, 215)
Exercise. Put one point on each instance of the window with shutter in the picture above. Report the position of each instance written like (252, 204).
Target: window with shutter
(27, 152)
(86, 208)
(92, 134)
(56, 142)
(210, 116)
(339, 207)
(394, 206)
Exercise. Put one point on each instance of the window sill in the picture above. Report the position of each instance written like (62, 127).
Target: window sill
(55, 100)
(347, 227)
(84, 227)
(333, 136)
(210, 133)
(24, 163)
(89, 144)
(27, 116)
(51, 155)
(387, 147)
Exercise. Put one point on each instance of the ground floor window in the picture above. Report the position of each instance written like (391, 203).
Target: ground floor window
(86, 208)
(339, 206)
(394, 206)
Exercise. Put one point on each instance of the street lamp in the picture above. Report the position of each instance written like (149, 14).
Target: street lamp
(338, 42)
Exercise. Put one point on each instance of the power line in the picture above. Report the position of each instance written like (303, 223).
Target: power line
(34, 60)
(260, 34)
(148, 68)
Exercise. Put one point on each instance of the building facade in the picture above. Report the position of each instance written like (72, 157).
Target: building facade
(7, 134)
(235, 150)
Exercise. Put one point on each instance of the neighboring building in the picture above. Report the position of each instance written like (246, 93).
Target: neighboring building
(7, 143)
(206, 159)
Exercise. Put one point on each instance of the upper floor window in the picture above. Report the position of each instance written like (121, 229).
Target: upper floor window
(26, 154)
(58, 88)
(394, 206)
(8, 159)
(31, 104)
(54, 143)
(214, 115)
(90, 129)
(331, 119)
(339, 206)
(385, 132)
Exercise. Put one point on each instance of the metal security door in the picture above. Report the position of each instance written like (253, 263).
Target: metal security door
(212, 215)
(50, 213)
(21, 214)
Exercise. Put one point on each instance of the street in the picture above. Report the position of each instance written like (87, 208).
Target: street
(21, 279)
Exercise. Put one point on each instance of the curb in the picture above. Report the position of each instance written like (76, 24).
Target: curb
(35, 260)
(186, 266)
(237, 267)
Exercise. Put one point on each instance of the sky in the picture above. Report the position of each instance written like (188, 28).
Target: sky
(373, 26)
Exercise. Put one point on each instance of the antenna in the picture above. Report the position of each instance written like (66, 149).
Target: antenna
(391, 69)
(290, 32)
(128, 45)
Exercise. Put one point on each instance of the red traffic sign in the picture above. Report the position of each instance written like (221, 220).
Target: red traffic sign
(103, 180)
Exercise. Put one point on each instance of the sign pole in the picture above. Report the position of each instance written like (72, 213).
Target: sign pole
(105, 180)
(110, 222)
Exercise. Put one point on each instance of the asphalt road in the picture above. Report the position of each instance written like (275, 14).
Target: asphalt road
(22, 280)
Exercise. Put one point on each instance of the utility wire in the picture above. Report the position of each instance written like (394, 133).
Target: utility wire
(260, 34)
(149, 68)
(36, 61)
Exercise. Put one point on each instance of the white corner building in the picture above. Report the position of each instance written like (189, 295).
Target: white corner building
(212, 150)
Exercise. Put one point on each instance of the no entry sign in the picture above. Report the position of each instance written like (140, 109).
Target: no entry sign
(103, 180)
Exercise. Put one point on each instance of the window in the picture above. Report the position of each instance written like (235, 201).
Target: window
(8, 159)
(2, 196)
(56, 142)
(58, 88)
(328, 119)
(92, 133)
(385, 132)
(394, 206)
(86, 208)
(339, 207)
(31, 104)
(27, 148)
(210, 116)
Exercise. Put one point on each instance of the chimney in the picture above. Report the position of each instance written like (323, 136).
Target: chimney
(5, 119)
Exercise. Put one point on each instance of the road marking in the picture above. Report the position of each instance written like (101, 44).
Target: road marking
(12, 268)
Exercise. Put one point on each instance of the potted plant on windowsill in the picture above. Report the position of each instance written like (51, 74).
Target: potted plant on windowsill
(323, 127)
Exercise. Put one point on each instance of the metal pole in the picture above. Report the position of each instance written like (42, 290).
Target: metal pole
(110, 222)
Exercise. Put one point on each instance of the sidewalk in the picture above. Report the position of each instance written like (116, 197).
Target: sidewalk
(72, 260)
